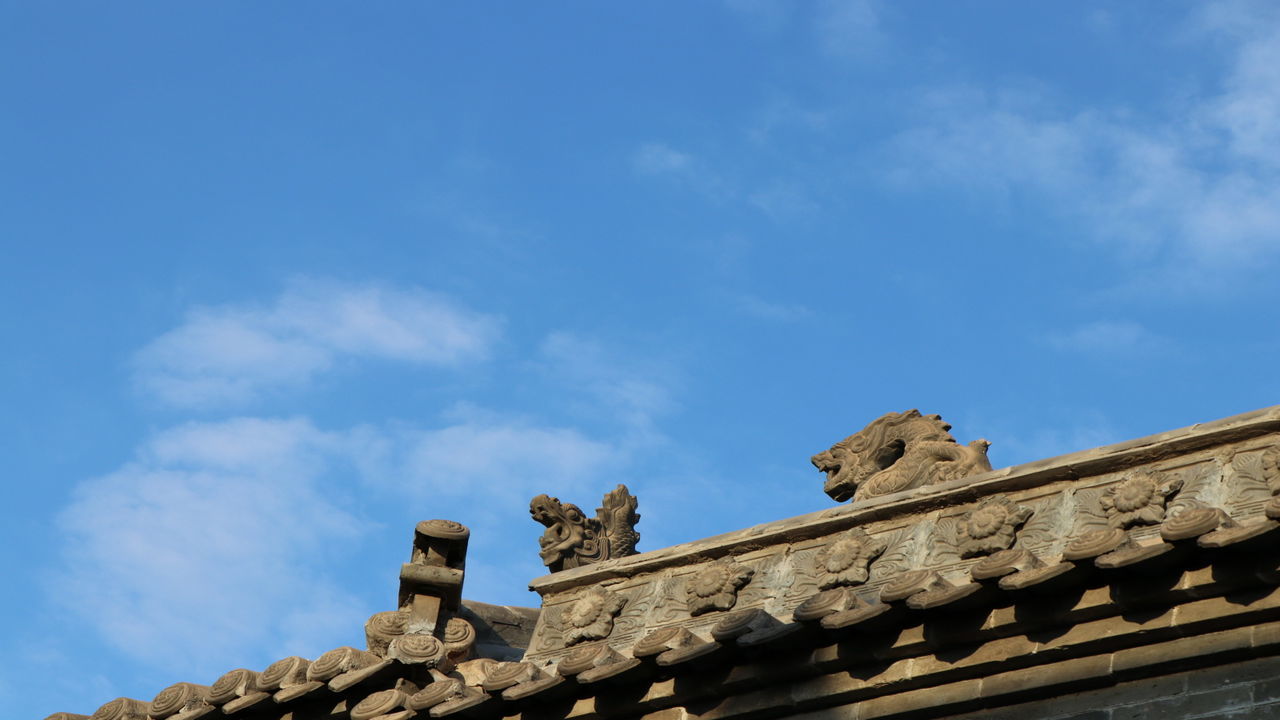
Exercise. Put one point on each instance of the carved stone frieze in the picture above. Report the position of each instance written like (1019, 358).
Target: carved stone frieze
(847, 560)
(715, 586)
(590, 617)
(572, 539)
(897, 452)
(990, 526)
(1138, 499)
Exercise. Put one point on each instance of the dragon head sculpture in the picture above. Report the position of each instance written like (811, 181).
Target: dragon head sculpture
(896, 452)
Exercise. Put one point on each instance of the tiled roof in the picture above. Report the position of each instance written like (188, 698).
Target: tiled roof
(1077, 571)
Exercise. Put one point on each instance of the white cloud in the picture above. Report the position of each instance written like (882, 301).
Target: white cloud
(1195, 193)
(229, 543)
(504, 459)
(226, 355)
(763, 309)
(628, 389)
(211, 545)
(850, 28)
(657, 159)
(1106, 337)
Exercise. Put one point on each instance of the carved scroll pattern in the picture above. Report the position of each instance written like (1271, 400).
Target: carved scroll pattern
(1247, 482)
(944, 544)
(803, 576)
(1201, 487)
(904, 550)
(1050, 523)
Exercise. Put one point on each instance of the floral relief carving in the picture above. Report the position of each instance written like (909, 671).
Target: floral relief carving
(847, 560)
(991, 526)
(590, 617)
(1139, 499)
(715, 586)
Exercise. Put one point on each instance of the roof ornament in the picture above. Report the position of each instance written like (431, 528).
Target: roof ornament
(572, 539)
(898, 451)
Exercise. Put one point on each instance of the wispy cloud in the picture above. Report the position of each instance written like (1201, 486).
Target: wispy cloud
(509, 459)
(658, 159)
(762, 309)
(211, 544)
(1107, 337)
(626, 388)
(1196, 193)
(227, 355)
(850, 28)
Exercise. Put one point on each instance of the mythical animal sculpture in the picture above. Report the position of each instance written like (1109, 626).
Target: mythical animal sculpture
(573, 539)
(896, 452)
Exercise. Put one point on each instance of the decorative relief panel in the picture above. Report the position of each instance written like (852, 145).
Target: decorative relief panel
(847, 561)
(903, 551)
(990, 539)
(590, 617)
(715, 586)
(1138, 499)
(990, 526)
(1201, 486)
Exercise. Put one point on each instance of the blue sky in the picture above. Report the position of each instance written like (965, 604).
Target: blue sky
(281, 279)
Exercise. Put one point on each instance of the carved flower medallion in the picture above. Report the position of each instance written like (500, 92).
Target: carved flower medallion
(847, 560)
(991, 526)
(1139, 499)
(715, 586)
(590, 617)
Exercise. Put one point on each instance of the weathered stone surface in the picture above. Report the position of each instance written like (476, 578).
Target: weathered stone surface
(590, 617)
(715, 586)
(897, 452)
(572, 539)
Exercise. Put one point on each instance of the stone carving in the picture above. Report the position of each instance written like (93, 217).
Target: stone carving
(590, 617)
(504, 675)
(417, 649)
(1193, 522)
(846, 561)
(122, 709)
(437, 692)
(1004, 562)
(459, 638)
(715, 586)
(337, 661)
(1094, 543)
(384, 627)
(1139, 499)
(572, 539)
(176, 698)
(232, 685)
(379, 703)
(585, 657)
(1271, 472)
(990, 526)
(823, 604)
(897, 452)
(662, 640)
(283, 674)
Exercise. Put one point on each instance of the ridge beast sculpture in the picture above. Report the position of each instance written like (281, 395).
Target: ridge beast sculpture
(572, 539)
(896, 452)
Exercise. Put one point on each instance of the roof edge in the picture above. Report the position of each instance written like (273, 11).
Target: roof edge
(1107, 458)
